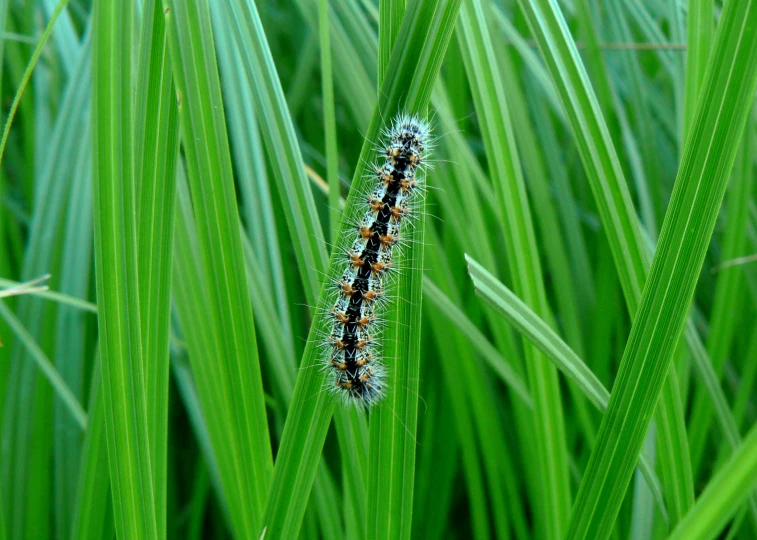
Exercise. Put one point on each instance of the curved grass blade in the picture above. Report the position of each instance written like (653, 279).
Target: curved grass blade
(533, 328)
(28, 73)
(709, 155)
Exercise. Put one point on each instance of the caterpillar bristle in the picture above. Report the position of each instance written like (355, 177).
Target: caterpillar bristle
(378, 232)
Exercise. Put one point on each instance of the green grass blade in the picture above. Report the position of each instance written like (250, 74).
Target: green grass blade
(456, 377)
(235, 399)
(27, 75)
(566, 285)
(709, 155)
(124, 388)
(242, 55)
(533, 328)
(281, 143)
(27, 431)
(156, 152)
(426, 31)
(723, 495)
(609, 189)
(190, 296)
(329, 120)
(72, 326)
(393, 423)
(727, 288)
(553, 489)
(54, 296)
(258, 207)
(492, 356)
(390, 21)
(595, 146)
(700, 28)
(72, 405)
(93, 501)
(2, 519)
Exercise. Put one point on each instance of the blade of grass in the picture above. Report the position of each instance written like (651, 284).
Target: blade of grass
(553, 489)
(533, 328)
(72, 326)
(642, 518)
(724, 494)
(594, 143)
(93, 500)
(64, 36)
(253, 178)
(390, 20)
(329, 120)
(464, 386)
(492, 356)
(156, 151)
(708, 158)
(601, 163)
(63, 299)
(232, 395)
(243, 54)
(124, 388)
(28, 414)
(190, 296)
(639, 142)
(436, 471)
(393, 424)
(280, 140)
(700, 29)
(426, 32)
(727, 287)
(45, 366)
(28, 73)
(565, 285)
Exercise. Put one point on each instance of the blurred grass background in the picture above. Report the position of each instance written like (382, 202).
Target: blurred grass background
(573, 348)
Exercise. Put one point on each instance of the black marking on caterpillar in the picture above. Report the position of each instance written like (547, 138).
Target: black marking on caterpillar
(352, 347)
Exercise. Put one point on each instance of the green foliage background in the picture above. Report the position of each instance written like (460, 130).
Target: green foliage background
(573, 348)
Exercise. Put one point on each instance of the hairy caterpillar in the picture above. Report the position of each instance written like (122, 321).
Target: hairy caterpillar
(352, 348)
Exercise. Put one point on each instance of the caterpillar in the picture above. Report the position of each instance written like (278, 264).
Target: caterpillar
(352, 347)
